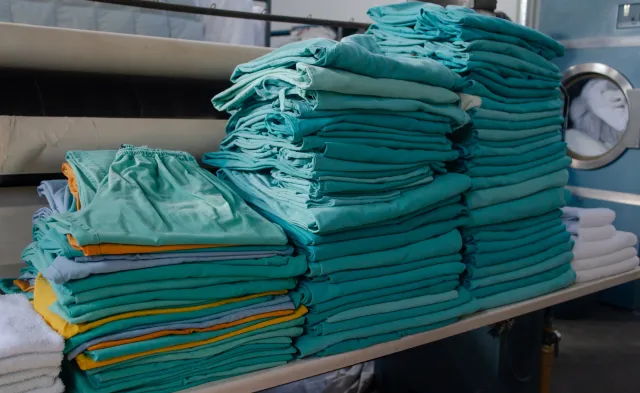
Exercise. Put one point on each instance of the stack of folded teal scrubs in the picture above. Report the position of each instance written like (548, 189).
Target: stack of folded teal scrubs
(514, 243)
(346, 149)
(158, 275)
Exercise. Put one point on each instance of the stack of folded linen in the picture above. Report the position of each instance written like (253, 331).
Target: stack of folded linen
(30, 352)
(160, 277)
(515, 244)
(345, 148)
(600, 251)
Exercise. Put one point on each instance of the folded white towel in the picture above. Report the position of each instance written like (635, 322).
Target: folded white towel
(605, 260)
(607, 271)
(590, 234)
(20, 376)
(30, 361)
(589, 218)
(58, 387)
(28, 385)
(22, 329)
(620, 241)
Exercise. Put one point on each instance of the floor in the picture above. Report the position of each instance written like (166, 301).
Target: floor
(599, 352)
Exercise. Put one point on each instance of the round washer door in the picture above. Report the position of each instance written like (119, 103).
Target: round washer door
(597, 110)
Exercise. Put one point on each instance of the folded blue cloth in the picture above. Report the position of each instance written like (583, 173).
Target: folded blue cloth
(516, 295)
(58, 196)
(358, 54)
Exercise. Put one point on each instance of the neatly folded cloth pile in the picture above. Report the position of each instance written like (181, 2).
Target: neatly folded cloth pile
(159, 276)
(30, 352)
(515, 244)
(600, 251)
(346, 148)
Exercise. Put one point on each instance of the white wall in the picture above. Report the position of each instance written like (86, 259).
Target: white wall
(509, 7)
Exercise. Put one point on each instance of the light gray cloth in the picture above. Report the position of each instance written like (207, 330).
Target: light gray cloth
(278, 304)
(354, 379)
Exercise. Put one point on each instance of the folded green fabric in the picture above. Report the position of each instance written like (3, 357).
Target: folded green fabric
(526, 83)
(488, 114)
(479, 183)
(446, 244)
(167, 199)
(496, 258)
(339, 218)
(474, 272)
(562, 259)
(358, 54)
(509, 89)
(486, 149)
(482, 247)
(516, 295)
(521, 283)
(504, 170)
(168, 341)
(361, 274)
(380, 243)
(482, 123)
(424, 306)
(359, 343)
(535, 106)
(510, 135)
(532, 205)
(317, 292)
(322, 311)
(514, 225)
(475, 236)
(532, 155)
(310, 345)
(91, 311)
(502, 144)
(491, 196)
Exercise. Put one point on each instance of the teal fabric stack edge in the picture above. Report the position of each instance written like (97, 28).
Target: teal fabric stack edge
(347, 150)
(515, 156)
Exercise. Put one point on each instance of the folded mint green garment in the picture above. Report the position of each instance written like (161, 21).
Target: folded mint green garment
(270, 340)
(314, 100)
(496, 258)
(454, 19)
(166, 298)
(266, 84)
(511, 135)
(502, 170)
(340, 218)
(491, 196)
(481, 247)
(526, 83)
(391, 294)
(317, 292)
(401, 14)
(309, 345)
(448, 243)
(532, 155)
(532, 205)
(409, 308)
(479, 122)
(169, 341)
(515, 225)
(379, 243)
(273, 267)
(361, 274)
(499, 89)
(167, 199)
(175, 370)
(479, 183)
(357, 53)
(136, 322)
(474, 272)
(524, 293)
(534, 106)
(520, 283)
(475, 236)
(485, 149)
(508, 95)
(359, 343)
(562, 259)
(90, 168)
(53, 242)
(387, 307)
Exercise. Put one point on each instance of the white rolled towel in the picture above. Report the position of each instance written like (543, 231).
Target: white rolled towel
(30, 361)
(58, 387)
(29, 385)
(589, 218)
(590, 234)
(19, 376)
(605, 260)
(607, 271)
(620, 241)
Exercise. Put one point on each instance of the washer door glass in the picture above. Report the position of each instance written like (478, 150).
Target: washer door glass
(597, 117)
